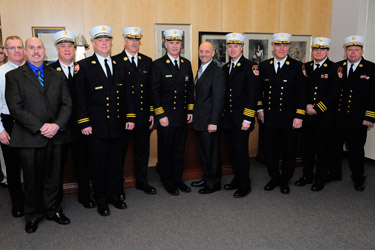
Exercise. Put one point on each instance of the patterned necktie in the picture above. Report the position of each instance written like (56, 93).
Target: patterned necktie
(107, 69)
(69, 74)
(40, 77)
(200, 71)
(176, 64)
(133, 62)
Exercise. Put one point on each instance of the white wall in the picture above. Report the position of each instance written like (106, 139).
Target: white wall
(354, 17)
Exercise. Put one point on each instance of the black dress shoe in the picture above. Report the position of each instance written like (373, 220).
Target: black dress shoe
(200, 183)
(271, 185)
(359, 185)
(303, 181)
(242, 192)
(31, 226)
(317, 186)
(209, 190)
(87, 203)
(103, 210)
(171, 190)
(117, 203)
(284, 189)
(182, 187)
(146, 188)
(60, 218)
(17, 212)
(231, 186)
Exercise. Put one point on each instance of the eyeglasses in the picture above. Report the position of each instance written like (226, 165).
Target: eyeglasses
(14, 48)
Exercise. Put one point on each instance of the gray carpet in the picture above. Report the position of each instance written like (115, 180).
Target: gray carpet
(336, 218)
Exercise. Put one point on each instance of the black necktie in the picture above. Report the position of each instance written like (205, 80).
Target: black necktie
(175, 64)
(350, 70)
(107, 69)
(317, 66)
(69, 74)
(231, 69)
(278, 67)
(133, 62)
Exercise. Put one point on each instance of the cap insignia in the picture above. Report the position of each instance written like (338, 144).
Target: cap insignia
(135, 29)
(233, 35)
(354, 38)
(103, 28)
(174, 32)
(65, 33)
(282, 35)
(321, 39)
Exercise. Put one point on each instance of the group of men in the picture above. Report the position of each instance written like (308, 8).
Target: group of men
(95, 106)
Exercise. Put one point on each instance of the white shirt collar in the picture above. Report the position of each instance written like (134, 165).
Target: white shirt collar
(275, 61)
(173, 59)
(130, 57)
(101, 61)
(204, 67)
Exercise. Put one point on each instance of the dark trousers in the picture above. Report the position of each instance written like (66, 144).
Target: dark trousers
(316, 142)
(42, 179)
(284, 141)
(238, 149)
(209, 151)
(171, 153)
(13, 168)
(107, 157)
(355, 139)
(141, 139)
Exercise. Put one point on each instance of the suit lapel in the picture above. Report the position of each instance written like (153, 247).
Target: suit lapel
(205, 73)
(98, 68)
(47, 77)
(237, 67)
(29, 74)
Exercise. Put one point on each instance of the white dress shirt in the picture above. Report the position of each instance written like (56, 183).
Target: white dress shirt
(65, 69)
(101, 61)
(130, 57)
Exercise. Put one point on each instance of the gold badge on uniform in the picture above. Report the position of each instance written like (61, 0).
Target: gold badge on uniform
(339, 72)
(271, 62)
(125, 58)
(186, 78)
(168, 61)
(325, 65)
(255, 70)
(182, 60)
(344, 63)
(361, 65)
(287, 62)
(139, 57)
(238, 64)
(93, 62)
(58, 69)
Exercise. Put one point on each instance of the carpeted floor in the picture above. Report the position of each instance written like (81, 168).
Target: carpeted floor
(336, 218)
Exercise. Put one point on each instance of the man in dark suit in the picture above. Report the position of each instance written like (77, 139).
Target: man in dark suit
(323, 88)
(104, 104)
(173, 100)
(242, 93)
(208, 108)
(284, 104)
(65, 46)
(39, 101)
(14, 50)
(137, 68)
(355, 112)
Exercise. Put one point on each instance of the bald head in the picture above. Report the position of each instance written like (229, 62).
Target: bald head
(206, 52)
(35, 51)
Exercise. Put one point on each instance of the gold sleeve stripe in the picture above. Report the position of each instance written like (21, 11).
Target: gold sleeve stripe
(370, 114)
(322, 106)
(260, 103)
(130, 115)
(83, 120)
(151, 108)
(301, 111)
(249, 112)
(190, 106)
(159, 111)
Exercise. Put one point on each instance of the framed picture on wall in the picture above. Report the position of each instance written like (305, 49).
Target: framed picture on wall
(218, 42)
(46, 35)
(300, 48)
(160, 49)
(258, 46)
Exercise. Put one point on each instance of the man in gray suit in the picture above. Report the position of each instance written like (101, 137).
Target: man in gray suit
(209, 105)
(39, 101)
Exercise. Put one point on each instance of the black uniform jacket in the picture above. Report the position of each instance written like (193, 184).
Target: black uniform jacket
(357, 96)
(31, 106)
(209, 98)
(284, 93)
(323, 89)
(102, 103)
(139, 79)
(172, 90)
(242, 93)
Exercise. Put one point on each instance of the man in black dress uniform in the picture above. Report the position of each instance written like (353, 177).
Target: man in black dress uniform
(173, 100)
(242, 93)
(65, 46)
(104, 104)
(208, 108)
(323, 88)
(355, 112)
(284, 104)
(137, 68)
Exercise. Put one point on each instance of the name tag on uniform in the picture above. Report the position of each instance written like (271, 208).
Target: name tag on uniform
(285, 80)
(166, 76)
(266, 80)
(99, 87)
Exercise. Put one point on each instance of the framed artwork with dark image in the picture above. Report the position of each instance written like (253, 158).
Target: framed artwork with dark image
(46, 35)
(300, 48)
(160, 49)
(218, 42)
(258, 46)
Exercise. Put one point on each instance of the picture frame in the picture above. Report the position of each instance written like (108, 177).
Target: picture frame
(258, 46)
(218, 42)
(186, 39)
(46, 35)
(300, 47)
